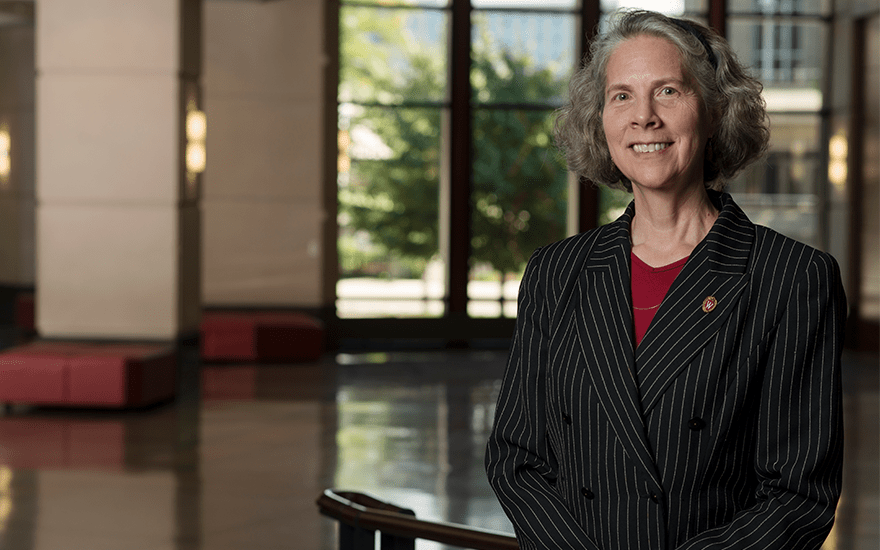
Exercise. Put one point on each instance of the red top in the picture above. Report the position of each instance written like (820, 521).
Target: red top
(649, 287)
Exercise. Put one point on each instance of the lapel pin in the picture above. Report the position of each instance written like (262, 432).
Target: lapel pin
(709, 303)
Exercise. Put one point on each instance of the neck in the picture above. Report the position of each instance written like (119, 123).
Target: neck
(667, 226)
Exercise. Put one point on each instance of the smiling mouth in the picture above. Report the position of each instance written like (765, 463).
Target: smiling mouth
(649, 147)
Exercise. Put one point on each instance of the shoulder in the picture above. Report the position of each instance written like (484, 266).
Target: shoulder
(785, 269)
(574, 252)
(555, 268)
(773, 249)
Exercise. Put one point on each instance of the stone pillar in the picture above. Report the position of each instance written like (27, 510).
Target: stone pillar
(265, 211)
(117, 215)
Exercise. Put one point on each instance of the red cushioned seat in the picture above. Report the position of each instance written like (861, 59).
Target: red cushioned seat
(261, 336)
(87, 374)
(122, 375)
(33, 378)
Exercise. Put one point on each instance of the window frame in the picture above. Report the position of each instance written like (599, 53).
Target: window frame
(455, 327)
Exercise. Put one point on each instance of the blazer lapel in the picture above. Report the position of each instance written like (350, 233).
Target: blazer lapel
(714, 276)
(604, 328)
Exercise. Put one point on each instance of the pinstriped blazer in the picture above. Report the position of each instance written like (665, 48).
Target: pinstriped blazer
(722, 429)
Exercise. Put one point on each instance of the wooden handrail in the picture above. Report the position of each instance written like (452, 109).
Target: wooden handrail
(366, 512)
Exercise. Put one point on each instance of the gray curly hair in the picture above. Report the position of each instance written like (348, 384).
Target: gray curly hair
(731, 97)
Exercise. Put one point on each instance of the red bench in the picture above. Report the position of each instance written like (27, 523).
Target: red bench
(261, 336)
(99, 375)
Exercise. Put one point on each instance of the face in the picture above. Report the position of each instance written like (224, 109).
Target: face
(654, 122)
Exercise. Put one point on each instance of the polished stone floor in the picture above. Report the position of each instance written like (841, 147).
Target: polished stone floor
(237, 461)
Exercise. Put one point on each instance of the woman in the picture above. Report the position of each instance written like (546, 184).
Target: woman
(674, 378)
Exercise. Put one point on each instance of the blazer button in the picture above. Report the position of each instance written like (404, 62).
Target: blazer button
(566, 418)
(588, 494)
(654, 498)
(696, 423)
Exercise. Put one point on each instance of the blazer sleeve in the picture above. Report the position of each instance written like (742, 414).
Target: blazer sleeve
(799, 446)
(519, 460)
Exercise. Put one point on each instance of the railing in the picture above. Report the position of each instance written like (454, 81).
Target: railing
(360, 516)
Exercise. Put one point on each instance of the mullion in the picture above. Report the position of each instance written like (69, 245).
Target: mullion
(461, 157)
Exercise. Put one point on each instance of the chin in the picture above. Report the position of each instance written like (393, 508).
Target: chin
(660, 182)
(656, 184)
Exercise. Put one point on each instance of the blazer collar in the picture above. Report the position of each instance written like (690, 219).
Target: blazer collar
(699, 301)
(728, 242)
(716, 268)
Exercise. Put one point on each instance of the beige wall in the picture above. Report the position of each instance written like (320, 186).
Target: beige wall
(117, 246)
(17, 195)
(263, 187)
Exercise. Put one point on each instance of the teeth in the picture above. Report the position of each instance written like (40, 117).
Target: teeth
(649, 147)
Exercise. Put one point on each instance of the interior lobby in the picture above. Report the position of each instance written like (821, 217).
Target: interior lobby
(167, 162)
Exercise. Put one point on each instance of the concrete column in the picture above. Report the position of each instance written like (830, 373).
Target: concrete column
(117, 217)
(264, 205)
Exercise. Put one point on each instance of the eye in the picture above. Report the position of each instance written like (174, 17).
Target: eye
(620, 96)
(668, 91)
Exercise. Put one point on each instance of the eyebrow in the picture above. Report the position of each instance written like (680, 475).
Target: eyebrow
(624, 87)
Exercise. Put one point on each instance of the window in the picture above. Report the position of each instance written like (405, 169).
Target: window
(448, 179)
(398, 173)
(784, 42)
(393, 112)
(522, 57)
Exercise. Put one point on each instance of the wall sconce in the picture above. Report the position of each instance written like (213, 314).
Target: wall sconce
(838, 147)
(196, 130)
(5, 162)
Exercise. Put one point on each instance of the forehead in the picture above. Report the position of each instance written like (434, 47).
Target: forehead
(641, 57)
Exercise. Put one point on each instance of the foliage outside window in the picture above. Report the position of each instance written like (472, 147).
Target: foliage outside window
(393, 111)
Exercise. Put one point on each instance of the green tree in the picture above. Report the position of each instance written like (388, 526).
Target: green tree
(519, 183)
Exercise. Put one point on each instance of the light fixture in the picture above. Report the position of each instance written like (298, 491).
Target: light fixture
(838, 147)
(5, 162)
(196, 130)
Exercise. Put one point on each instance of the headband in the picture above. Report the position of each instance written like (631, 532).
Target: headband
(690, 29)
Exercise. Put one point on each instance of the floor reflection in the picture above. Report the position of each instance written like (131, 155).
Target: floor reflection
(239, 458)
(417, 438)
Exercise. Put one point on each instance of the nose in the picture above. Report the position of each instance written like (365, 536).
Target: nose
(645, 114)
